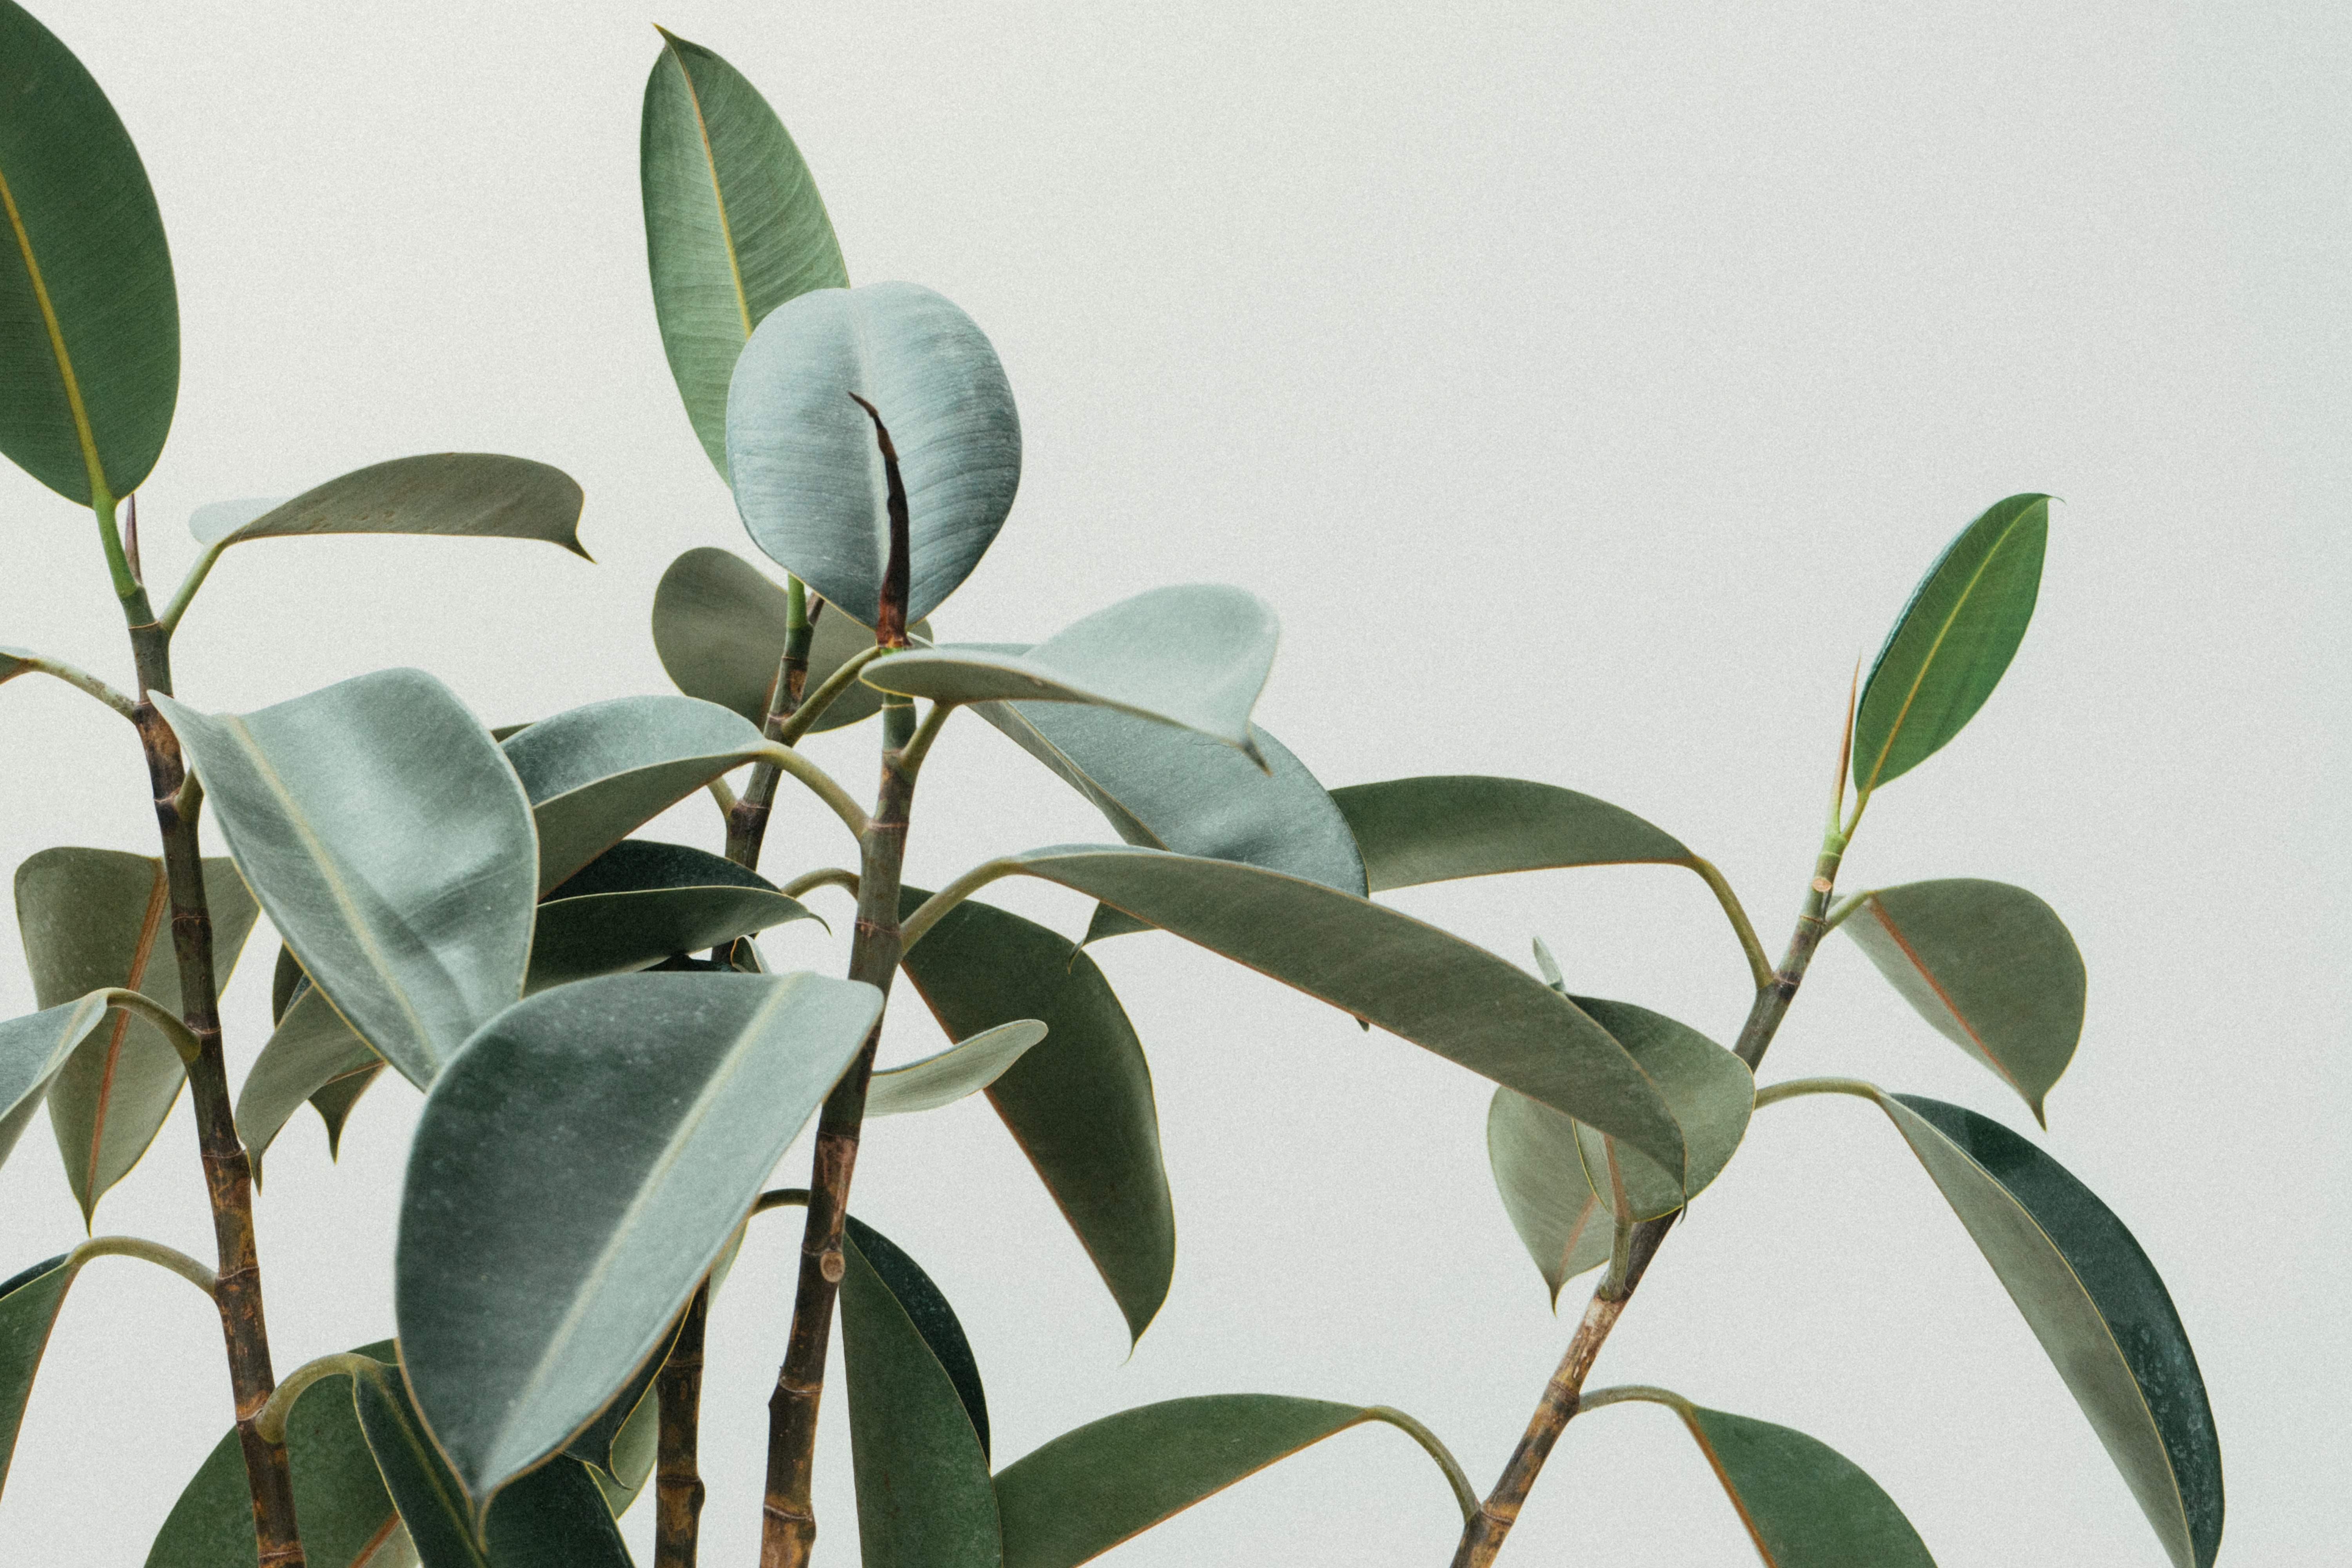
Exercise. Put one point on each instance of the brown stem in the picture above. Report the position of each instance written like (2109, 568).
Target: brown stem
(787, 1532)
(228, 1174)
(747, 823)
(1482, 1538)
(677, 1479)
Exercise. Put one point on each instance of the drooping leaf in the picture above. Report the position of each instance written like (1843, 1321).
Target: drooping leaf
(1195, 657)
(466, 495)
(33, 1051)
(1086, 1492)
(311, 1049)
(734, 225)
(718, 626)
(1565, 1225)
(1992, 968)
(1948, 649)
(1421, 984)
(575, 1174)
(1805, 1504)
(348, 1519)
(919, 1454)
(96, 918)
(595, 774)
(2094, 1302)
(552, 1518)
(807, 470)
(90, 317)
(334, 1098)
(942, 1079)
(390, 844)
(1434, 829)
(1079, 1104)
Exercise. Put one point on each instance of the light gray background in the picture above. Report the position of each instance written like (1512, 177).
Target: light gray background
(1586, 385)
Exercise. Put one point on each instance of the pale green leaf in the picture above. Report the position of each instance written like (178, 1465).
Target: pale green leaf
(965, 1068)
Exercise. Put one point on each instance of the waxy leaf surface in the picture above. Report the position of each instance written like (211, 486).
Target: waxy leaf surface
(311, 1050)
(599, 1445)
(1195, 657)
(965, 1068)
(1079, 1104)
(89, 319)
(469, 495)
(96, 918)
(575, 1174)
(610, 933)
(1948, 648)
(734, 225)
(1992, 968)
(1421, 984)
(807, 468)
(392, 847)
(1434, 829)
(33, 1050)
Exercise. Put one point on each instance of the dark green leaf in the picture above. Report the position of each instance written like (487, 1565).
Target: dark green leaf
(96, 918)
(1434, 829)
(311, 1051)
(1991, 966)
(926, 1308)
(807, 466)
(634, 1452)
(89, 319)
(392, 847)
(965, 1068)
(640, 865)
(734, 225)
(608, 934)
(1079, 1104)
(575, 1174)
(1948, 648)
(28, 1311)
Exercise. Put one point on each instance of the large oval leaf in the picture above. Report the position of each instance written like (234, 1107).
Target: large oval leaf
(1436, 829)
(89, 319)
(596, 773)
(1079, 1104)
(1424, 985)
(734, 225)
(1195, 657)
(392, 847)
(1088, 1489)
(1991, 966)
(807, 470)
(718, 626)
(1948, 649)
(2092, 1298)
(573, 1175)
(96, 918)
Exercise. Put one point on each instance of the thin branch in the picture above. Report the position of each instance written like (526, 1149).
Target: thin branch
(182, 1040)
(1465, 1497)
(724, 793)
(1625, 1392)
(79, 679)
(1803, 1085)
(185, 594)
(830, 688)
(1847, 906)
(1759, 966)
(271, 1421)
(155, 1252)
(920, 746)
(828, 877)
(821, 784)
(928, 914)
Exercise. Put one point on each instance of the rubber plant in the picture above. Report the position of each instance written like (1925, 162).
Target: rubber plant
(602, 1109)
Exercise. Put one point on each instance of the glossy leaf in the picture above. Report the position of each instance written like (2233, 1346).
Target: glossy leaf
(2096, 1304)
(918, 1433)
(311, 1051)
(1565, 1225)
(610, 933)
(473, 495)
(33, 1051)
(598, 1444)
(348, 1519)
(95, 918)
(1421, 984)
(1088, 1489)
(595, 774)
(1434, 829)
(28, 1311)
(392, 848)
(90, 317)
(942, 1079)
(575, 1174)
(1948, 649)
(1079, 1104)
(1992, 968)
(552, 1518)
(807, 466)
(719, 626)
(734, 225)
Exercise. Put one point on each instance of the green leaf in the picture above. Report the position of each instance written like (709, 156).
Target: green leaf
(89, 319)
(333, 1101)
(33, 1050)
(472, 495)
(1948, 648)
(608, 934)
(575, 1174)
(309, 1052)
(1088, 1489)
(98, 918)
(1195, 657)
(807, 469)
(1559, 1179)
(734, 225)
(942, 1079)
(918, 1433)
(595, 774)
(1079, 1104)
(1991, 966)
(1421, 984)
(719, 626)
(391, 845)
(552, 1518)
(633, 1453)
(1805, 1504)
(347, 1520)
(2094, 1302)
(598, 1444)
(1434, 829)
(28, 1311)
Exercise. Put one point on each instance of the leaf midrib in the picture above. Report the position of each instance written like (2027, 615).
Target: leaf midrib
(82, 432)
(1951, 618)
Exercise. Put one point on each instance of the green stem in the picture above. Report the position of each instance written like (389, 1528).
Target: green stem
(820, 782)
(182, 1039)
(1623, 1392)
(1803, 1085)
(928, 914)
(1847, 906)
(1465, 1497)
(829, 876)
(823, 697)
(186, 591)
(155, 1252)
(80, 680)
(271, 1421)
(747, 819)
(1759, 966)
